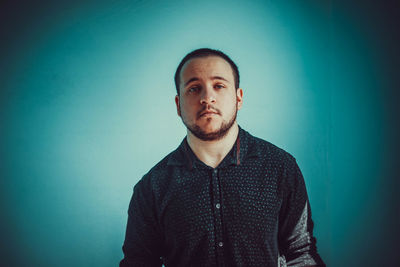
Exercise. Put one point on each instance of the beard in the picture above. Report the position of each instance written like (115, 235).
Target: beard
(215, 135)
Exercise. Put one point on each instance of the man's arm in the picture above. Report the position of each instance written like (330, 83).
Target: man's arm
(296, 240)
(142, 245)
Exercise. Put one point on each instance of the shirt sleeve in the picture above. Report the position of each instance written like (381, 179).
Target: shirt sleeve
(142, 245)
(296, 241)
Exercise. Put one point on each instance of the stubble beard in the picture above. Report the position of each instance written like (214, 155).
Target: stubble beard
(215, 135)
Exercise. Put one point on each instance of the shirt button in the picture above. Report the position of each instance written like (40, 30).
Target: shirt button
(220, 244)
(215, 171)
(217, 205)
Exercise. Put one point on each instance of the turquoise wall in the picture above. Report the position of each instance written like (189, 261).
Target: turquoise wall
(87, 107)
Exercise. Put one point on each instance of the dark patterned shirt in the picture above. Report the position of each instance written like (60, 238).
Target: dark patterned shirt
(251, 210)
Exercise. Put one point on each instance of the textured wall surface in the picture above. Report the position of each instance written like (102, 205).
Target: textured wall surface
(87, 107)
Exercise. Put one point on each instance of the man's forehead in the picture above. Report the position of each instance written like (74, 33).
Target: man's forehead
(198, 65)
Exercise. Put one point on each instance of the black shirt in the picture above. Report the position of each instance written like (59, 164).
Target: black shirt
(251, 210)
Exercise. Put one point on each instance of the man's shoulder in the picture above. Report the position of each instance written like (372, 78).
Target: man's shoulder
(266, 150)
(163, 164)
(275, 158)
(163, 167)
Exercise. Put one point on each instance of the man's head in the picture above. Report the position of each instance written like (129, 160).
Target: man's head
(208, 95)
(205, 52)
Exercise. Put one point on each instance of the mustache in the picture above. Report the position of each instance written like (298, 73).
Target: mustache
(208, 108)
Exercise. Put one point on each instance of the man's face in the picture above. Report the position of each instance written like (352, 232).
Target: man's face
(208, 101)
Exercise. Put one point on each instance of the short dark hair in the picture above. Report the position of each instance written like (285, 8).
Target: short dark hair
(206, 52)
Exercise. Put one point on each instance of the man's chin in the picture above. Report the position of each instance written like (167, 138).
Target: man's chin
(210, 130)
(208, 133)
(207, 136)
(209, 127)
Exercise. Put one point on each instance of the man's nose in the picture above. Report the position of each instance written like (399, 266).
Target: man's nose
(208, 96)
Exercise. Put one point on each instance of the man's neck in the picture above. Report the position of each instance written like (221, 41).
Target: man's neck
(213, 152)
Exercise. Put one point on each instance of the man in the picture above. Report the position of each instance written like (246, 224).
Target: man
(223, 197)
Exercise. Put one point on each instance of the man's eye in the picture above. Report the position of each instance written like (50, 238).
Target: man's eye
(219, 86)
(193, 89)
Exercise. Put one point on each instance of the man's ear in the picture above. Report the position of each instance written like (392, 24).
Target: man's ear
(178, 110)
(239, 97)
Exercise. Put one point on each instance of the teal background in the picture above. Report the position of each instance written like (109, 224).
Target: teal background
(87, 108)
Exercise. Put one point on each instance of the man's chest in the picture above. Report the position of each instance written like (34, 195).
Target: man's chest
(226, 201)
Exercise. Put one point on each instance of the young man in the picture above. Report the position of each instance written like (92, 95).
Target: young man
(223, 197)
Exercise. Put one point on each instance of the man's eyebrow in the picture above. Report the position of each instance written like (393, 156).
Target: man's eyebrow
(212, 78)
(191, 80)
(219, 78)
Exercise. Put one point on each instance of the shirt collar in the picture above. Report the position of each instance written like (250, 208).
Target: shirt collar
(242, 149)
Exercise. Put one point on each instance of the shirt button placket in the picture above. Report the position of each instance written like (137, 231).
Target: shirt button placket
(217, 213)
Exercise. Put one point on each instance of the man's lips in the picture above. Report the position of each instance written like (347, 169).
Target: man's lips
(208, 112)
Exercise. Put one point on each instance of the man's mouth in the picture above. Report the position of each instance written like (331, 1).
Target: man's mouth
(208, 113)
